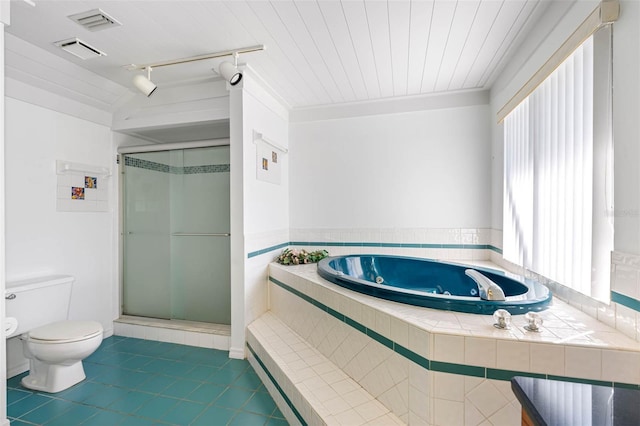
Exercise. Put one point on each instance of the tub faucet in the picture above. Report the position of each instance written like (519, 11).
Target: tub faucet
(488, 289)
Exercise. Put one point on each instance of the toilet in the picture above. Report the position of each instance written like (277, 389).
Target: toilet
(54, 346)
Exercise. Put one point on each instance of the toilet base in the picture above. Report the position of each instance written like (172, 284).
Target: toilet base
(52, 378)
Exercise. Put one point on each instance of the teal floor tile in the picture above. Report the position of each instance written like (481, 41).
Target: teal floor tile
(105, 418)
(206, 393)
(184, 413)
(106, 396)
(131, 402)
(277, 422)
(25, 405)
(237, 364)
(248, 380)
(46, 412)
(233, 398)
(156, 407)
(201, 373)
(156, 384)
(14, 382)
(260, 403)
(136, 362)
(248, 419)
(14, 395)
(214, 416)
(277, 413)
(74, 416)
(225, 376)
(135, 382)
(180, 388)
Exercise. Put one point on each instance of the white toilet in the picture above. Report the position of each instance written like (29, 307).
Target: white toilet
(54, 346)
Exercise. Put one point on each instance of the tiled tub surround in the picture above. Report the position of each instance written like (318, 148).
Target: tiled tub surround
(622, 313)
(445, 368)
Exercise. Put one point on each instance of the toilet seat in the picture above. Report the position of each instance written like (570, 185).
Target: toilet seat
(65, 332)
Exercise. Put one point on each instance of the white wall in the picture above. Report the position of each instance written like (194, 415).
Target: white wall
(41, 240)
(263, 206)
(424, 169)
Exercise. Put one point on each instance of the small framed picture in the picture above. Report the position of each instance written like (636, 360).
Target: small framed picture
(274, 157)
(90, 182)
(77, 193)
(265, 164)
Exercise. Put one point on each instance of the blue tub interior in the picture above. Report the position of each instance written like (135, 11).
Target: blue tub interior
(431, 283)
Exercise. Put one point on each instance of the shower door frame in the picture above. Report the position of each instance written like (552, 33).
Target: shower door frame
(122, 151)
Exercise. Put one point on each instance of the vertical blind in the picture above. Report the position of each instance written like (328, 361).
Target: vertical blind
(548, 175)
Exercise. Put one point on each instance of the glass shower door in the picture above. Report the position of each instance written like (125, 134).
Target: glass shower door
(176, 261)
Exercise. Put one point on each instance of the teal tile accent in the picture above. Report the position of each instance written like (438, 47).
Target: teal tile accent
(267, 250)
(627, 301)
(355, 324)
(380, 338)
(575, 380)
(335, 313)
(460, 369)
(412, 356)
(373, 244)
(277, 386)
(444, 367)
(496, 374)
(165, 168)
(626, 386)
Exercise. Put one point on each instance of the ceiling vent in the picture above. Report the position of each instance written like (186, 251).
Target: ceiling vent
(79, 48)
(95, 20)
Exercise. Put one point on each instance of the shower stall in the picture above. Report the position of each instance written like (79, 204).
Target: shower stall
(175, 234)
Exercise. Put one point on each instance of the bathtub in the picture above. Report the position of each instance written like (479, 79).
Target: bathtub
(432, 284)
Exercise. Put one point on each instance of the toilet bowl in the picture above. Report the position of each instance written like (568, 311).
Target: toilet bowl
(54, 346)
(55, 353)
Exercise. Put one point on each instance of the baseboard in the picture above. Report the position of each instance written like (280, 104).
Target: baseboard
(237, 353)
(17, 369)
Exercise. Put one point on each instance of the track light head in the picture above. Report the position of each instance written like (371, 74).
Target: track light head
(144, 84)
(230, 73)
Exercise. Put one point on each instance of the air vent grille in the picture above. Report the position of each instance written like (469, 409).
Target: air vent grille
(95, 20)
(79, 48)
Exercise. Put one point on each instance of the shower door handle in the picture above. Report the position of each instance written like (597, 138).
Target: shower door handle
(188, 234)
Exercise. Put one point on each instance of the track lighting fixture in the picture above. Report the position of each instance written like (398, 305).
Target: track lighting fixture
(229, 71)
(144, 84)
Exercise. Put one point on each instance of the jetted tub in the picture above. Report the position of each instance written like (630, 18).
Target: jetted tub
(432, 284)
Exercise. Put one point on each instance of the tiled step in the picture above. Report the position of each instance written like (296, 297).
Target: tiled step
(308, 387)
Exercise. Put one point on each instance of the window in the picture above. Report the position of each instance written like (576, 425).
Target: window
(557, 174)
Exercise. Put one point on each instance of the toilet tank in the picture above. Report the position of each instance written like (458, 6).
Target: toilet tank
(38, 301)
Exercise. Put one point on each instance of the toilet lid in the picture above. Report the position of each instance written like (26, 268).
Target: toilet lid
(66, 330)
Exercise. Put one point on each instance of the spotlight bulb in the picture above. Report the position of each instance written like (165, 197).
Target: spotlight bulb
(230, 73)
(143, 84)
